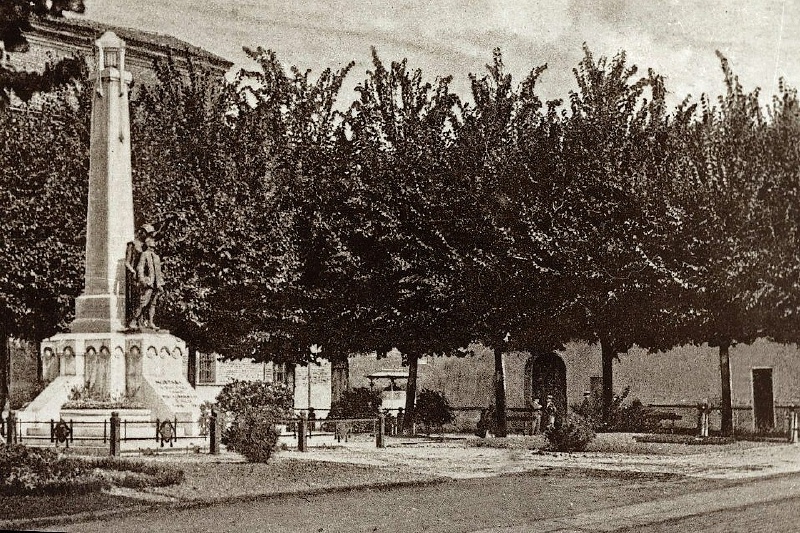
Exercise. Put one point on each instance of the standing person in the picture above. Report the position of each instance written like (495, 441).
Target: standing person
(550, 409)
(133, 251)
(151, 281)
(536, 407)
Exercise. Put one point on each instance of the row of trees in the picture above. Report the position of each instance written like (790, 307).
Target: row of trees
(417, 220)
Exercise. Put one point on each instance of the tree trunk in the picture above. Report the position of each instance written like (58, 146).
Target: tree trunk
(501, 429)
(411, 394)
(5, 369)
(608, 354)
(725, 375)
(340, 377)
(39, 363)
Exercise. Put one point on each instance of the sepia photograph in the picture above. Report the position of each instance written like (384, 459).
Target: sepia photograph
(488, 266)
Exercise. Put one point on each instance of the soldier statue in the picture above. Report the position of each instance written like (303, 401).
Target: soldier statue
(149, 280)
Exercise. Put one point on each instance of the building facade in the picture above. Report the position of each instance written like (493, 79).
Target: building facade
(765, 379)
(311, 383)
(53, 39)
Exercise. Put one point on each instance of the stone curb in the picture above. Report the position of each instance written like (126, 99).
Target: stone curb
(181, 504)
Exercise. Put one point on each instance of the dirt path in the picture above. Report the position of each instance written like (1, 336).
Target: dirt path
(455, 460)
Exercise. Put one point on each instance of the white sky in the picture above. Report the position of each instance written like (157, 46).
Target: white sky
(677, 38)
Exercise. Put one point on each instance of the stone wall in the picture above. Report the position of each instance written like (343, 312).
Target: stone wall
(684, 375)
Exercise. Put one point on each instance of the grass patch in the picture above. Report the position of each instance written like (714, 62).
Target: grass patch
(279, 476)
(17, 507)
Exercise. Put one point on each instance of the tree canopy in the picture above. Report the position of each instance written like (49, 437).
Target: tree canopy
(417, 220)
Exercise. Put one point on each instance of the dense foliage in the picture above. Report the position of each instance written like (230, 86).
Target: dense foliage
(413, 219)
(254, 409)
(632, 416)
(25, 470)
(572, 435)
(360, 402)
(433, 410)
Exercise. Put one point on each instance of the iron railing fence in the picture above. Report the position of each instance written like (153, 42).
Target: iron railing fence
(68, 432)
(324, 432)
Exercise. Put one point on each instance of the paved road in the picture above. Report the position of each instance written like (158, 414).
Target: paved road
(727, 509)
(504, 504)
(763, 517)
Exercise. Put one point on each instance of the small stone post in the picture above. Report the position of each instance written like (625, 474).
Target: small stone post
(302, 436)
(380, 431)
(213, 433)
(115, 435)
(11, 428)
(400, 417)
(702, 419)
(793, 429)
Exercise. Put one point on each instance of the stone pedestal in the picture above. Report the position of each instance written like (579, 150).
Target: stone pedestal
(147, 367)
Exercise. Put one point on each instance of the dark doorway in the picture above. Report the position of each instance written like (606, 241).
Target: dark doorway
(547, 374)
(763, 403)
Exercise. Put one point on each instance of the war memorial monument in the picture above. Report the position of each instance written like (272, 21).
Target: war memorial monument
(101, 355)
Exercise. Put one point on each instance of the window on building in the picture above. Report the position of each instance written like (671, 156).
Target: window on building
(279, 373)
(207, 368)
(283, 373)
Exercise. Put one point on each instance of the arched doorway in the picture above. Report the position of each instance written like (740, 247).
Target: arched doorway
(547, 374)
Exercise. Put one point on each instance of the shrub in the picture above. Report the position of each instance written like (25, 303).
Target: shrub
(256, 407)
(634, 417)
(573, 435)
(237, 396)
(361, 402)
(26, 470)
(432, 410)
(254, 434)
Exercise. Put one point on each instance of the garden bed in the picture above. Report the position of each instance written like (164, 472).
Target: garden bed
(43, 471)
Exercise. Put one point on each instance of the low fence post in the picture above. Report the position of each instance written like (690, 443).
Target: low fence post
(400, 417)
(302, 436)
(11, 428)
(213, 433)
(380, 431)
(115, 436)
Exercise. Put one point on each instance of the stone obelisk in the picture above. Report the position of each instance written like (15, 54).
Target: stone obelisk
(101, 307)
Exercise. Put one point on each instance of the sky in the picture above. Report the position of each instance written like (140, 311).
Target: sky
(676, 38)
